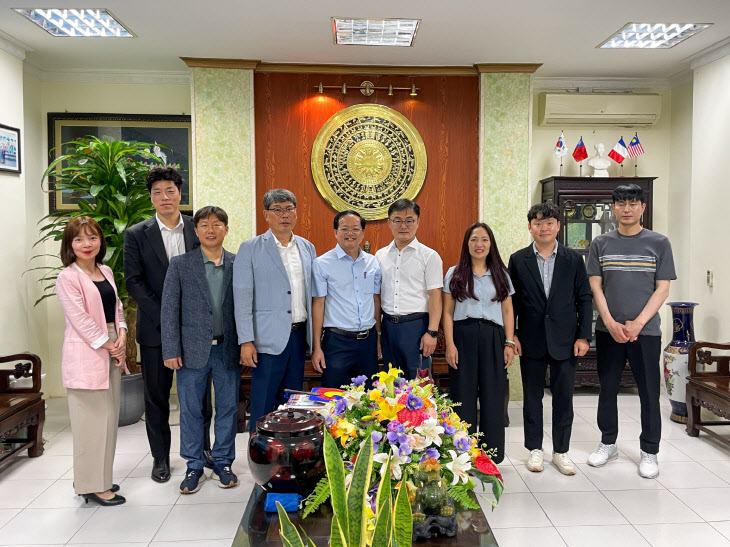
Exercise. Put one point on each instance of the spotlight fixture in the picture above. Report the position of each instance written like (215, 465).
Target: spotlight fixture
(390, 90)
(344, 89)
(413, 90)
(367, 88)
(320, 89)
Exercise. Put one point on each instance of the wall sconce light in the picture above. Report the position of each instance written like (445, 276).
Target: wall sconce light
(367, 88)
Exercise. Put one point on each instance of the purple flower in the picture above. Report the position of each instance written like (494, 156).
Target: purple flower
(430, 453)
(329, 421)
(377, 436)
(397, 434)
(448, 429)
(462, 444)
(405, 449)
(414, 402)
(444, 415)
(340, 407)
(393, 425)
(359, 380)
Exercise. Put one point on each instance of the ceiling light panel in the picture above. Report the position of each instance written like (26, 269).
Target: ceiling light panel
(85, 23)
(374, 32)
(652, 35)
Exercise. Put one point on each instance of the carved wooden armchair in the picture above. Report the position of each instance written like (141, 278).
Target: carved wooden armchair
(708, 389)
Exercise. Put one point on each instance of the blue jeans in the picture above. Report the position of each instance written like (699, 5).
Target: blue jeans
(191, 383)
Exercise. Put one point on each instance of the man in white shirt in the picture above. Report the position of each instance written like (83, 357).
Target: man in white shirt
(412, 279)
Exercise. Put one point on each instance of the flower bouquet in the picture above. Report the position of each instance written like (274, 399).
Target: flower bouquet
(415, 432)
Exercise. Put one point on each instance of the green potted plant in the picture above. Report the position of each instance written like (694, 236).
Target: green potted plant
(108, 176)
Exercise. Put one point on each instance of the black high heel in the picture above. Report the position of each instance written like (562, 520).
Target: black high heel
(114, 488)
(116, 500)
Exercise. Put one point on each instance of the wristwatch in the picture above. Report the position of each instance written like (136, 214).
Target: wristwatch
(433, 333)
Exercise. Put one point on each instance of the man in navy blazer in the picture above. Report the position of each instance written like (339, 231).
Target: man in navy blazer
(199, 341)
(272, 287)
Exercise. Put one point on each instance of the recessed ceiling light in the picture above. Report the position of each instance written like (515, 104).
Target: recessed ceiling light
(374, 32)
(88, 23)
(652, 35)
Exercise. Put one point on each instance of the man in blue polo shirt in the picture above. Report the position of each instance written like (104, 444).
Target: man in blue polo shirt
(346, 304)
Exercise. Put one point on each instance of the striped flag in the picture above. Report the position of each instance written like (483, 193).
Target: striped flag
(635, 148)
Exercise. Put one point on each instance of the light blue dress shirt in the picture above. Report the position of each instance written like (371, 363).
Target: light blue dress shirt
(348, 287)
(484, 307)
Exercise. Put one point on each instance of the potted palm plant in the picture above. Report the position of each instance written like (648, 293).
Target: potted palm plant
(108, 176)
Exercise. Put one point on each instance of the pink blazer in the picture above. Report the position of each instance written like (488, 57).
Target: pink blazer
(84, 363)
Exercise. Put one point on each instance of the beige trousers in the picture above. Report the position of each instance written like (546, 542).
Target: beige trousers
(94, 417)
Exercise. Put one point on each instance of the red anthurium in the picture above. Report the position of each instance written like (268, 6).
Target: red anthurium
(485, 464)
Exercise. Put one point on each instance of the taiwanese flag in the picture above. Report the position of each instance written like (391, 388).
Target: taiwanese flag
(619, 152)
(580, 153)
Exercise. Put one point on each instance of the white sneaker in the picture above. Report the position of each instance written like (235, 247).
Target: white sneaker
(648, 466)
(534, 462)
(603, 454)
(563, 463)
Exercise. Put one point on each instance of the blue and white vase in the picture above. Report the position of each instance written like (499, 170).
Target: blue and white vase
(676, 358)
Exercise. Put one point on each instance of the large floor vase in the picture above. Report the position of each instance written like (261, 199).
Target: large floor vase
(676, 358)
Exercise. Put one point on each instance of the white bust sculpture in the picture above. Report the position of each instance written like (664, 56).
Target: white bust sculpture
(599, 162)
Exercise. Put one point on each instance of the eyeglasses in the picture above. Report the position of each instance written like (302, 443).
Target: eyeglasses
(353, 231)
(278, 211)
(409, 223)
(627, 204)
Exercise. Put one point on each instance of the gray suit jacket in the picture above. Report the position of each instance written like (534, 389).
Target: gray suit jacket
(263, 295)
(187, 317)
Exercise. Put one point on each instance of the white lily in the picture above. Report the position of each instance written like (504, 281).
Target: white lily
(432, 431)
(459, 465)
(395, 462)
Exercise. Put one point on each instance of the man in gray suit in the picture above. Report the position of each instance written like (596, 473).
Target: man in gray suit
(272, 289)
(199, 341)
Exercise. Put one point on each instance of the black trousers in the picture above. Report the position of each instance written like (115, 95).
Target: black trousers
(643, 356)
(401, 342)
(157, 384)
(562, 378)
(480, 376)
(347, 357)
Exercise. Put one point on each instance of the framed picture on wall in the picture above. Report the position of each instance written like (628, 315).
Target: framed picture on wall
(9, 149)
(170, 130)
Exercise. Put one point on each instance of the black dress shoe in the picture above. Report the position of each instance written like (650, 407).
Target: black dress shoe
(161, 469)
(208, 459)
(116, 500)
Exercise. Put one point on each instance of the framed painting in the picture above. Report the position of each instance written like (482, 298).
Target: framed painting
(9, 149)
(170, 130)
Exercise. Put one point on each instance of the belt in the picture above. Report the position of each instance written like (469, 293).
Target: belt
(298, 326)
(217, 340)
(404, 318)
(360, 335)
(479, 321)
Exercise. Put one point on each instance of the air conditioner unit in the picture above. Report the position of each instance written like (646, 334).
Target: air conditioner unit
(569, 109)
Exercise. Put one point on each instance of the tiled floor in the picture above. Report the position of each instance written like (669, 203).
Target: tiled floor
(688, 504)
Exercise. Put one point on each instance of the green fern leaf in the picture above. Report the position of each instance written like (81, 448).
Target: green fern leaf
(320, 494)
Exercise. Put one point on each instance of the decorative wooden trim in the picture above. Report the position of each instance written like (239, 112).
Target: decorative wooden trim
(481, 68)
(196, 62)
(368, 69)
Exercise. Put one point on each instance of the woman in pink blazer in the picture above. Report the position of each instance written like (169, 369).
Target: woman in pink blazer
(93, 353)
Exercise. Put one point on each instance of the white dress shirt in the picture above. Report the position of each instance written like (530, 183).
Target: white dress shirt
(295, 272)
(408, 275)
(174, 240)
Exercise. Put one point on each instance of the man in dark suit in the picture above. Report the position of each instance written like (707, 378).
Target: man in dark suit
(148, 248)
(199, 341)
(553, 312)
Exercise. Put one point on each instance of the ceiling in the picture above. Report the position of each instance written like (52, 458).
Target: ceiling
(561, 35)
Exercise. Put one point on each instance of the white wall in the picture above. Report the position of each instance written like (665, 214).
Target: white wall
(710, 197)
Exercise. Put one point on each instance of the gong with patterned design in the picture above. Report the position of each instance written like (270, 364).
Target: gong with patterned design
(367, 156)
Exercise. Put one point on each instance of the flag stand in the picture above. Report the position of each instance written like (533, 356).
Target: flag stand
(581, 167)
(622, 169)
(561, 166)
(636, 174)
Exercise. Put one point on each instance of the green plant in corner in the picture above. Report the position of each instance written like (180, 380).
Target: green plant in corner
(109, 175)
(352, 523)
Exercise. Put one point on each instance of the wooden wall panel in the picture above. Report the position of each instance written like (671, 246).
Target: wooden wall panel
(290, 113)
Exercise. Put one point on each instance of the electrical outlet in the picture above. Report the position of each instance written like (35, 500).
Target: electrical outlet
(710, 277)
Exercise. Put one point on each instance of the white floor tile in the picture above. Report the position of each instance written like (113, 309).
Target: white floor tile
(124, 464)
(17, 494)
(144, 468)
(134, 444)
(60, 494)
(6, 515)
(702, 448)
(579, 509)
(43, 467)
(651, 506)
(516, 511)
(123, 523)
(515, 417)
(580, 432)
(210, 492)
(544, 537)
(60, 445)
(204, 521)
(667, 452)
(515, 404)
(552, 480)
(709, 503)
(681, 535)
(139, 428)
(145, 491)
(240, 464)
(688, 475)
(513, 483)
(585, 400)
(242, 442)
(719, 468)
(673, 430)
(618, 476)
(515, 435)
(722, 527)
(44, 526)
(197, 543)
(589, 415)
(602, 536)
(516, 453)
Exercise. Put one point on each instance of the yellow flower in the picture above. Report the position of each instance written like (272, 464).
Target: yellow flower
(344, 430)
(387, 411)
(387, 378)
(375, 395)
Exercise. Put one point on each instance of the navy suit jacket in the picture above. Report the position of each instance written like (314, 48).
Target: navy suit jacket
(187, 316)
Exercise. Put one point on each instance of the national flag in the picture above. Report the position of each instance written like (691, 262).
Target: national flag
(635, 148)
(560, 148)
(619, 152)
(580, 153)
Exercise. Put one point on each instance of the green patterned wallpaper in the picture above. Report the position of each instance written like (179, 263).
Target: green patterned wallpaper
(224, 171)
(504, 147)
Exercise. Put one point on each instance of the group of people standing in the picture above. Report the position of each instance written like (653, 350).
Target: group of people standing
(202, 312)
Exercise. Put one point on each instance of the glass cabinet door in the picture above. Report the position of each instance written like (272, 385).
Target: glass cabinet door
(584, 220)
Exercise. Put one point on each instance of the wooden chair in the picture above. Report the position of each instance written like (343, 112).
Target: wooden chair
(710, 390)
(21, 408)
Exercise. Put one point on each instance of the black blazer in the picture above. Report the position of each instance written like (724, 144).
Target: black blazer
(145, 267)
(550, 325)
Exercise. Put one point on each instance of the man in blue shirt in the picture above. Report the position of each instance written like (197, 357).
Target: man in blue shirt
(346, 304)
